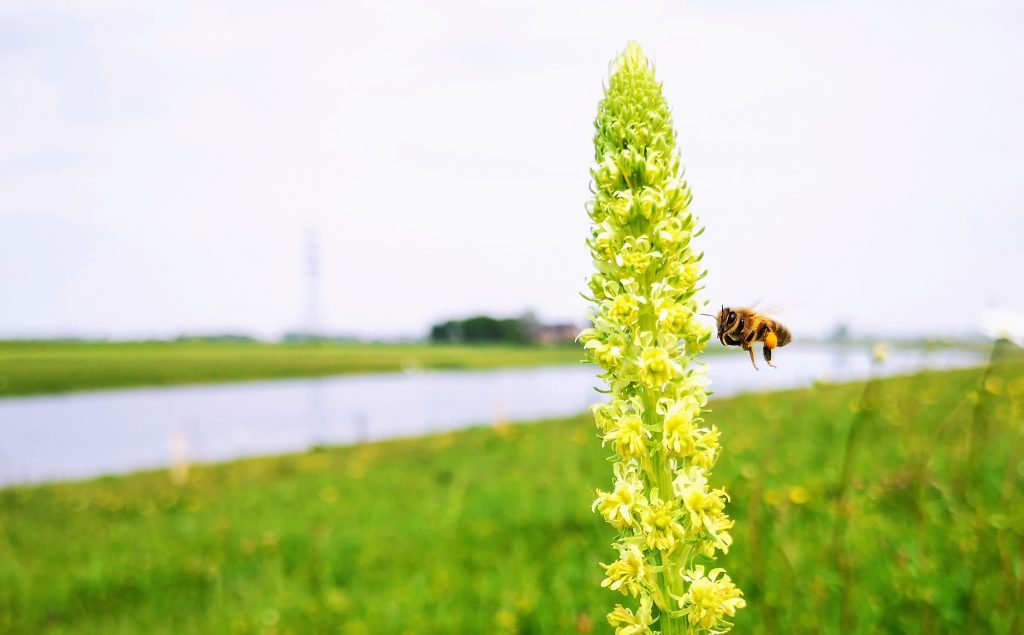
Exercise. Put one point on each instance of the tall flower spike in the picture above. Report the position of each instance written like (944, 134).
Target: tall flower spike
(645, 339)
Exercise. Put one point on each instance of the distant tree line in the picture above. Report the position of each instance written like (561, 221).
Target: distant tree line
(525, 329)
(483, 328)
(228, 338)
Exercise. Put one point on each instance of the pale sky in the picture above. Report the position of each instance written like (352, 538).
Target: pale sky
(852, 161)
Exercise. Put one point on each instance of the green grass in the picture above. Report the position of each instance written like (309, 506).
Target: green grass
(46, 367)
(489, 530)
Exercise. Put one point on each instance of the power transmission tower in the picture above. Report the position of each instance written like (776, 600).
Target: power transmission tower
(312, 268)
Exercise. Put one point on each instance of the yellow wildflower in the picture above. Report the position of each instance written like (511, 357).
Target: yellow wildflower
(607, 352)
(660, 522)
(656, 367)
(672, 316)
(679, 433)
(710, 599)
(717, 536)
(605, 415)
(703, 506)
(624, 308)
(606, 243)
(646, 339)
(689, 274)
(636, 254)
(627, 574)
(706, 448)
(628, 437)
(670, 233)
(619, 507)
(626, 622)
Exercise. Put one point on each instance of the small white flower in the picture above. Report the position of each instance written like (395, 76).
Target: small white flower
(1003, 324)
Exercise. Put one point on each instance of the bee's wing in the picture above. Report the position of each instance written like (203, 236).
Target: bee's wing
(771, 309)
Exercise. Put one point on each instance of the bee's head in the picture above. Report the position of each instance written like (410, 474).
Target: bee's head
(726, 319)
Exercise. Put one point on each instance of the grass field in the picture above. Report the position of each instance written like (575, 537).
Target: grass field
(45, 367)
(890, 507)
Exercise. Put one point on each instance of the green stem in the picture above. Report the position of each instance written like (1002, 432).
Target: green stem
(842, 559)
(661, 477)
(974, 501)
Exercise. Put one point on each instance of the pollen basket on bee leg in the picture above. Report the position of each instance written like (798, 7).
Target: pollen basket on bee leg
(771, 340)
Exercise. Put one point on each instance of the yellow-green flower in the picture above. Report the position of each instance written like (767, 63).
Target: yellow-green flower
(657, 367)
(671, 233)
(626, 622)
(710, 599)
(673, 316)
(601, 287)
(703, 506)
(605, 415)
(607, 348)
(627, 574)
(689, 274)
(628, 437)
(679, 435)
(620, 506)
(625, 308)
(645, 338)
(716, 537)
(606, 242)
(660, 522)
(636, 254)
(706, 448)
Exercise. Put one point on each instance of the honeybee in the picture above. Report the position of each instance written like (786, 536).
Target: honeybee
(744, 327)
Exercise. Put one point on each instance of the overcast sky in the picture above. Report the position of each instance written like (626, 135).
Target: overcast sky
(858, 162)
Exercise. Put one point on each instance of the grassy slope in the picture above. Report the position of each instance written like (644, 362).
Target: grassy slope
(490, 530)
(46, 367)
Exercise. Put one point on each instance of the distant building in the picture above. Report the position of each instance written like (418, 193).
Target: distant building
(563, 333)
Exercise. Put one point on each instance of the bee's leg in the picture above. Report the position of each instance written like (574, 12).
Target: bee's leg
(767, 356)
(750, 349)
(750, 338)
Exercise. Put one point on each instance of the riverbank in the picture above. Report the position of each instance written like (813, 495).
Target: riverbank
(39, 367)
(59, 366)
(490, 529)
